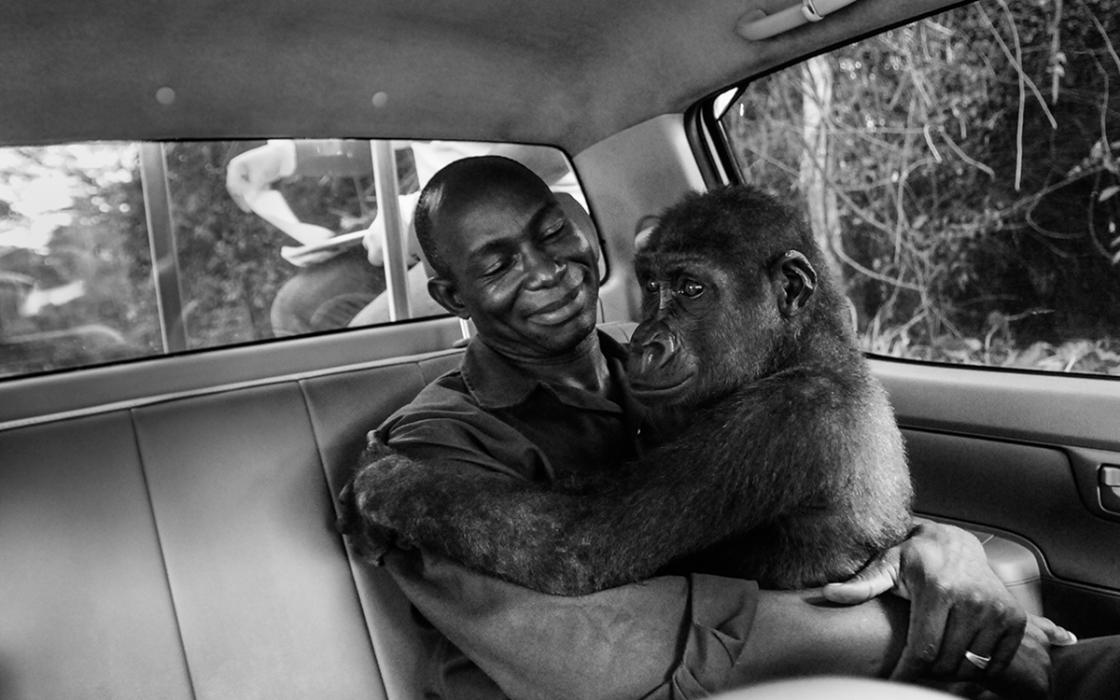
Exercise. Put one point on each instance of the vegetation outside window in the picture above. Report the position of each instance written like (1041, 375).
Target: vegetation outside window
(963, 174)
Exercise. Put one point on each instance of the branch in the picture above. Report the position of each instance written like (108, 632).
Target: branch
(1104, 35)
(964, 156)
(1024, 81)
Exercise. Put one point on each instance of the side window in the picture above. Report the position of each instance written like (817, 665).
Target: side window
(112, 250)
(962, 175)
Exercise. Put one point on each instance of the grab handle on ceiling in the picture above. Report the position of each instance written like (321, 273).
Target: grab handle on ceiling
(756, 24)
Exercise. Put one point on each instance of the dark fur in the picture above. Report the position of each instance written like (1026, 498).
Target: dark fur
(788, 469)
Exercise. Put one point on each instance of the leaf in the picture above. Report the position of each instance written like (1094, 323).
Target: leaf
(1108, 193)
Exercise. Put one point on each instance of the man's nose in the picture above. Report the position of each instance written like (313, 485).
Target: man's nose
(542, 269)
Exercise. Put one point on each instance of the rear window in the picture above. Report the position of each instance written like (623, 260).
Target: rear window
(962, 175)
(118, 250)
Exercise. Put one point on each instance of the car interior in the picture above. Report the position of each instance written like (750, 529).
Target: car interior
(167, 518)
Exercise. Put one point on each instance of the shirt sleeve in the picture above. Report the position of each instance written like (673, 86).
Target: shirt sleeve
(665, 638)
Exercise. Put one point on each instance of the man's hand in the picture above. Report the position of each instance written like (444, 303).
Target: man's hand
(1028, 675)
(375, 234)
(957, 605)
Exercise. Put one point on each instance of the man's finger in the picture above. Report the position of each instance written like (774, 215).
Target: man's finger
(875, 579)
(1004, 652)
(1057, 636)
(961, 636)
(923, 640)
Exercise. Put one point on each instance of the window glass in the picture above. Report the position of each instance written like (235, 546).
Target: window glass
(252, 240)
(75, 269)
(962, 175)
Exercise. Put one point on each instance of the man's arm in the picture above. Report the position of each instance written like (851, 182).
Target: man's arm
(667, 637)
(672, 636)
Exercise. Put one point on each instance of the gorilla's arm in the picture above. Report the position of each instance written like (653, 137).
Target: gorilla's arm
(758, 453)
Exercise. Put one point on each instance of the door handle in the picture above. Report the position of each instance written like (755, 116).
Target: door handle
(1108, 487)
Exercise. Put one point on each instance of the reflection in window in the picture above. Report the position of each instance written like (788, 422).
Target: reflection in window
(252, 240)
(75, 281)
(962, 174)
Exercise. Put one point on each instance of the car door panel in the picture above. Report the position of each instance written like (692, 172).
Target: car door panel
(1019, 455)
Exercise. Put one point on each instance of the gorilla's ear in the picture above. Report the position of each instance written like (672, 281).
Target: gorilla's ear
(443, 291)
(794, 280)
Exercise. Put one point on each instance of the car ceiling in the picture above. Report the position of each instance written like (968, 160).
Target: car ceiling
(566, 73)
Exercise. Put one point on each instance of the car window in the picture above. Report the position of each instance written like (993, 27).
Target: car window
(118, 250)
(962, 175)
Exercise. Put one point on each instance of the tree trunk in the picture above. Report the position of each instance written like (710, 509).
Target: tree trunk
(815, 166)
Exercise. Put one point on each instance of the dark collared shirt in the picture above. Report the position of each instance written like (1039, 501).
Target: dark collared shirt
(669, 637)
(492, 414)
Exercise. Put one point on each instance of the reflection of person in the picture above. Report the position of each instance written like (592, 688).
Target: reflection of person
(539, 394)
(333, 282)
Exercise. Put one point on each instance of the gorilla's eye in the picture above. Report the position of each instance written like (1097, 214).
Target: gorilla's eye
(650, 286)
(690, 288)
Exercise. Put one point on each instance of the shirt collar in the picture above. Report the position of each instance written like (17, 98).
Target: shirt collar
(497, 383)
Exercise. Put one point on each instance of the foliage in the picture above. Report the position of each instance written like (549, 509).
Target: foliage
(229, 267)
(99, 243)
(227, 258)
(962, 173)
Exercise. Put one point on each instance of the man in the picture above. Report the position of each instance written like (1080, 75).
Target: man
(540, 394)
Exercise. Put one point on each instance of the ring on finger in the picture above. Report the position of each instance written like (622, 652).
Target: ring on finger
(980, 662)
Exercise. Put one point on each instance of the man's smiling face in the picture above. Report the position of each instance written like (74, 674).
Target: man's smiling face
(517, 266)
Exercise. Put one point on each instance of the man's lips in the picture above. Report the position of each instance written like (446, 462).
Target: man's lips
(560, 310)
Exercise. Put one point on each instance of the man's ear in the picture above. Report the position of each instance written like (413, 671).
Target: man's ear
(443, 291)
(794, 280)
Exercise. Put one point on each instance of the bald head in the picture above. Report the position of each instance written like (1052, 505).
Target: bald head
(461, 187)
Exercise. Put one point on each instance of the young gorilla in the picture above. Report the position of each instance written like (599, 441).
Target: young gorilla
(784, 463)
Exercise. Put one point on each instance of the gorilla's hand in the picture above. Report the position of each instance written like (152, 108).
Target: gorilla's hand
(362, 502)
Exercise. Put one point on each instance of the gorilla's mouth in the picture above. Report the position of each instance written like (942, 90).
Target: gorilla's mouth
(658, 370)
(660, 388)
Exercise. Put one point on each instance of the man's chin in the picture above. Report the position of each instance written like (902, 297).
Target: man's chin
(570, 332)
(560, 314)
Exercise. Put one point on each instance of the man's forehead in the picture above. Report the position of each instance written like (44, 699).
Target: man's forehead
(494, 210)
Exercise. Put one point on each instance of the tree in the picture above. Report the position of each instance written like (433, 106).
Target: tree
(963, 173)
